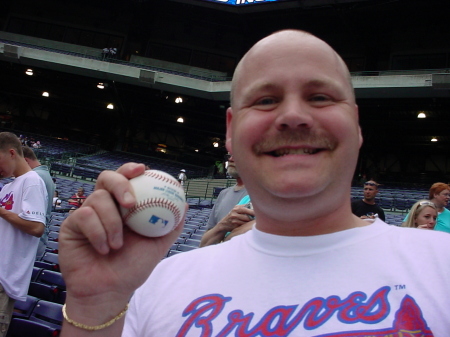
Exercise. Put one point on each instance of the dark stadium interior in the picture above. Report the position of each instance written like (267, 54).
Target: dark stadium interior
(373, 36)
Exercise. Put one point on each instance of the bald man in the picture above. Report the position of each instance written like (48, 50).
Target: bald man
(309, 267)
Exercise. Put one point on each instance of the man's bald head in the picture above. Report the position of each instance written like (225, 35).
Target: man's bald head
(302, 38)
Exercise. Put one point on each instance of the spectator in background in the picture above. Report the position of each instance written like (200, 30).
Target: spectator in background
(439, 195)
(77, 199)
(22, 221)
(44, 173)
(182, 177)
(56, 200)
(367, 208)
(105, 53)
(112, 53)
(226, 216)
(423, 215)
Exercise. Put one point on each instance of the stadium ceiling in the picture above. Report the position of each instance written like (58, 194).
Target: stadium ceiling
(247, 6)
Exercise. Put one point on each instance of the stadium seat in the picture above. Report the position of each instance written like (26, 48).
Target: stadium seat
(35, 273)
(48, 313)
(185, 248)
(53, 236)
(43, 291)
(52, 278)
(23, 309)
(49, 261)
(20, 327)
(52, 247)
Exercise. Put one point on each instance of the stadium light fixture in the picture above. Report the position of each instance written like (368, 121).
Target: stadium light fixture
(45, 94)
(434, 139)
(421, 115)
(180, 120)
(178, 100)
(110, 106)
(29, 72)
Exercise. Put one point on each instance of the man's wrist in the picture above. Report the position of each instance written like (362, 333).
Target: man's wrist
(93, 313)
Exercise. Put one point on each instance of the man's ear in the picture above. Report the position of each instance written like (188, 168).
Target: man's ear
(229, 130)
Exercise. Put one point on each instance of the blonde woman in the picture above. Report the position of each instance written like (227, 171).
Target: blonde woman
(423, 215)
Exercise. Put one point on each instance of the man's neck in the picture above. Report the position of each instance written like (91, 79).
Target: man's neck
(21, 168)
(305, 216)
(239, 184)
(439, 208)
(370, 202)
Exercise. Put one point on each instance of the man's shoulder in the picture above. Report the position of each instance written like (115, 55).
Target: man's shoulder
(30, 177)
(446, 212)
(211, 253)
(43, 172)
(357, 202)
(41, 168)
(423, 238)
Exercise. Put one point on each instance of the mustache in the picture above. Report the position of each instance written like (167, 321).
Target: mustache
(295, 138)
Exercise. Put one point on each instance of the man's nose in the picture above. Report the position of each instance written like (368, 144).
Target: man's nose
(294, 113)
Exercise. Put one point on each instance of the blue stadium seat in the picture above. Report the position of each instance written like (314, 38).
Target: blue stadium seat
(48, 313)
(23, 309)
(20, 327)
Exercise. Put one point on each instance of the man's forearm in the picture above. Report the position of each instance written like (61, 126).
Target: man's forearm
(34, 228)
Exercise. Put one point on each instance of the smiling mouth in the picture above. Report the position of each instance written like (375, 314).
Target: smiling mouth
(284, 152)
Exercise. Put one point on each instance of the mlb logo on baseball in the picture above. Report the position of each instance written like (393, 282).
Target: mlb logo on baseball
(154, 220)
(160, 204)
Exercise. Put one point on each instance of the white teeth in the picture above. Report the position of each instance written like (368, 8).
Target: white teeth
(283, 152)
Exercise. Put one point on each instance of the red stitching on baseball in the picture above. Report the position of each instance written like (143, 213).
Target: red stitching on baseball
(151, 202)
(159, 176)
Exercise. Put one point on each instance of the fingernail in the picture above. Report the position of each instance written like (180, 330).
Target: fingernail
(128, 197)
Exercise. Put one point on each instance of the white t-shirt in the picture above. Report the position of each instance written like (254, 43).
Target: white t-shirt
(26, 196)
(376, 280)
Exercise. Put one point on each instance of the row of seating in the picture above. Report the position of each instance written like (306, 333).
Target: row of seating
(89, 167)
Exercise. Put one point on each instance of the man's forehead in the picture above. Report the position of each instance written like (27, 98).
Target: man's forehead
(300, 46)
(294, 41)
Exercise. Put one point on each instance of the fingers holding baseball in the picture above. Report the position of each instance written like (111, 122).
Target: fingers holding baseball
(97, 221)
(117, 182)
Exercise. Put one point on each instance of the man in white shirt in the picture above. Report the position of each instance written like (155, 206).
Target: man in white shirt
(22, 221)
(309, 267)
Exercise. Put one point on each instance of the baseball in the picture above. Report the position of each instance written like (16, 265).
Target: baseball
(160, 204)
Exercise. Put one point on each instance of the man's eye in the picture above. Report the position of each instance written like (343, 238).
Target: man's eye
(320, 98)
(265, 101)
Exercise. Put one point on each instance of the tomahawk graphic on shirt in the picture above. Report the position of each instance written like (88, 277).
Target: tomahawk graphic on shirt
(7, 201)
(284, 320)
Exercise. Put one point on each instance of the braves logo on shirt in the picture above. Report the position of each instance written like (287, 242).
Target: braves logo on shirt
(282, 320)
(7, 202)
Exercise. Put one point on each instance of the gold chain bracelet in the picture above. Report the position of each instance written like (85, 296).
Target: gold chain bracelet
(94, 327)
